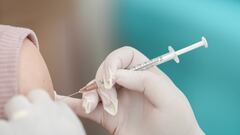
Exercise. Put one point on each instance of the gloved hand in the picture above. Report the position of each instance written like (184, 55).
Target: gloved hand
(148, 102)
(39, 115)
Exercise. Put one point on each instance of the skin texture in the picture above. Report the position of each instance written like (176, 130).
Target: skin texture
(33, 72)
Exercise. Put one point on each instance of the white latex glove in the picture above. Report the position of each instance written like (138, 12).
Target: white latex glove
(39, 115)
(148, 101)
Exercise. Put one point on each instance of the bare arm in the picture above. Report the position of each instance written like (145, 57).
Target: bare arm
(33, 71)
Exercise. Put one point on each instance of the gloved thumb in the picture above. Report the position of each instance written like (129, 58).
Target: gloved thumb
(156, 87)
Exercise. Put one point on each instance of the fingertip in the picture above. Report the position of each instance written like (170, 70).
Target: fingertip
(90, 101)
(110, 101)
(88, 106)
(112, 108)
(109, 71)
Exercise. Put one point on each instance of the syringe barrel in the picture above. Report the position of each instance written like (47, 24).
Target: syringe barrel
(154, 62)
(169, 56)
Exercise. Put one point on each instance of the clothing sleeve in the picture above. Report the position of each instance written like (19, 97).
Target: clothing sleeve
(11, 39)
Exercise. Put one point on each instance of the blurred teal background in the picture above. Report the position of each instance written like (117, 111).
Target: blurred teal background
(210, 78)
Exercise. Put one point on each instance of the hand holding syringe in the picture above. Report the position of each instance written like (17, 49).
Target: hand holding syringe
(144, 100)
(172, 54)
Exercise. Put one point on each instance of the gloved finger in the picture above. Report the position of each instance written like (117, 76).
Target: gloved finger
(109, 100)
(90, 101)
(5, 128)
(125, 57)
(108, 96)
(158, 90)
(17, 107)
(39, 96)
(76, 105)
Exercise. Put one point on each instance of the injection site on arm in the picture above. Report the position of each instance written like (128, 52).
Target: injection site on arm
(33, 71)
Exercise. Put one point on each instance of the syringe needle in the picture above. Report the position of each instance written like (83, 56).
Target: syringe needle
(78, 92)
(65, 97)
(75, 93)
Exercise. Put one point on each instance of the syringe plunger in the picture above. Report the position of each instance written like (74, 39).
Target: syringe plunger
(189, 48)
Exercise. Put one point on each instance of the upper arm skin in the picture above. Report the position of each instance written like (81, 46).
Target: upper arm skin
(33, 71)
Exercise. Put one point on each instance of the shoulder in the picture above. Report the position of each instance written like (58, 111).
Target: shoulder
(33, 71)
(12, 43)
(21, 61)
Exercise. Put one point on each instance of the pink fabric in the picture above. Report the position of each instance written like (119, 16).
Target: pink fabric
(11, 39)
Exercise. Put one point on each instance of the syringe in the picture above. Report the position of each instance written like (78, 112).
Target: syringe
(172, 54)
